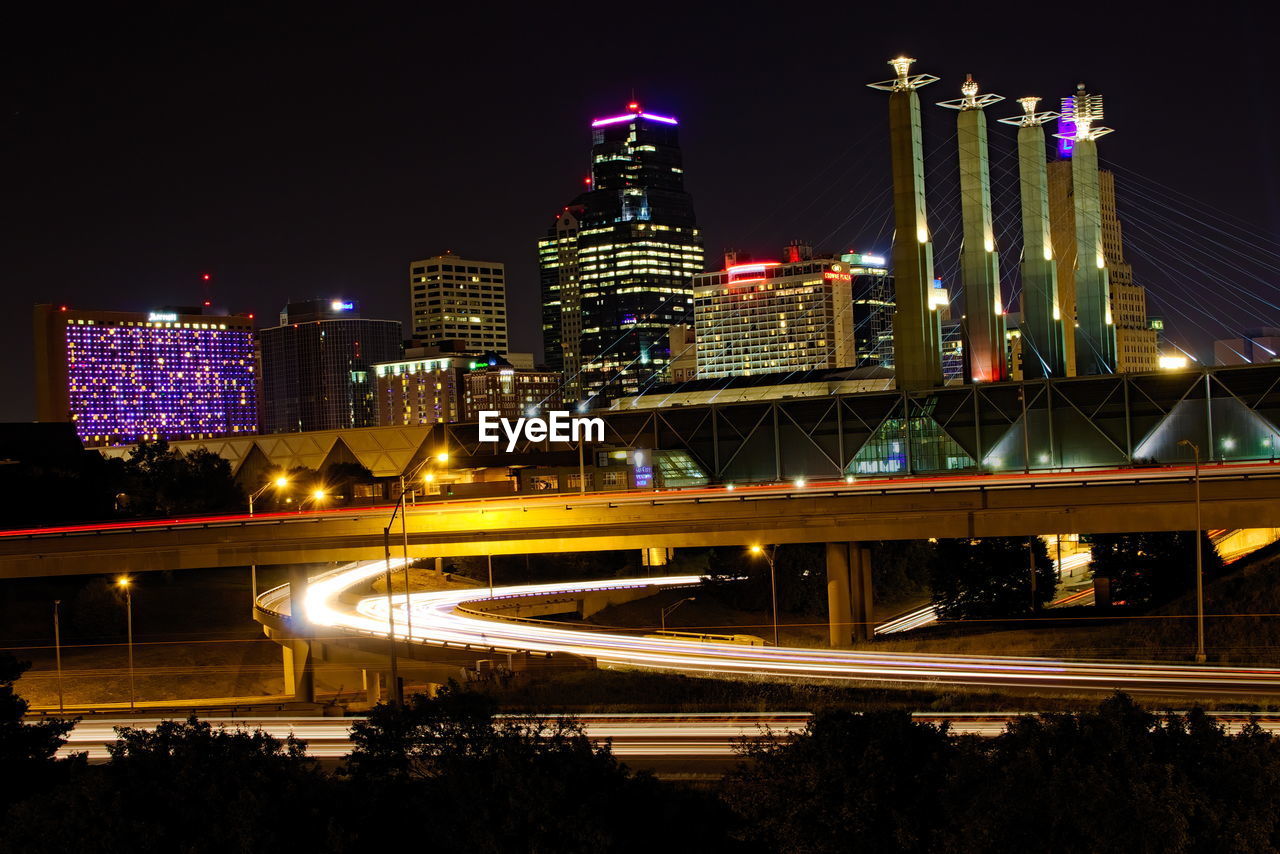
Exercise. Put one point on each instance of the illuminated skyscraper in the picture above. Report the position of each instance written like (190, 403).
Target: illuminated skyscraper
(628, 261)
(456, 299)
(769, 317)
(316, 366)
(173, 373)
(562, 300)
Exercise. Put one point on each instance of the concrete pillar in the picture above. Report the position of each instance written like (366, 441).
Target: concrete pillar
(860, 588)
(1043, 345)
(839, 601)
(1095, 332)
(917, 329)
(655, 557)
(372, 686)
(299, 669)
(849, 593)
(439, 564)
(984, 343)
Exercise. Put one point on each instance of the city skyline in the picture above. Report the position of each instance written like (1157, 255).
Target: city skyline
(267, 235)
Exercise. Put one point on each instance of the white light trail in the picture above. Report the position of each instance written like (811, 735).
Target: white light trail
(438, 620)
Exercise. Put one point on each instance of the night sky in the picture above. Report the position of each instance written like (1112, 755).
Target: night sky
(302, 152)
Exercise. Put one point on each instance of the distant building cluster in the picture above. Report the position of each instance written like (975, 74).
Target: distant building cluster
(628, 307)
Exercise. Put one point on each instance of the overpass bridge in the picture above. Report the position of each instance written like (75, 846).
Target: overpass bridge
(840, 513)
(1115, 500)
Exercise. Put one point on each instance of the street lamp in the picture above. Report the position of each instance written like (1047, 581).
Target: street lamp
(1200, 656)
(316, 496)
(124, 583)
(278, 483)
(391, 608)
(773, 584)
(57, 648)
(666, 612)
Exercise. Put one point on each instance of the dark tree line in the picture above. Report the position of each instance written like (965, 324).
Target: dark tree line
(1116, 780)
(450, 774)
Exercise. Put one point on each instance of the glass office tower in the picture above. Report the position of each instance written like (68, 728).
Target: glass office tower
(316, 367)
(624, 264)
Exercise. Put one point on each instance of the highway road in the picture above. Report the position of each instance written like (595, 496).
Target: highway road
(693, 742)
(457, 617)
(634, 736)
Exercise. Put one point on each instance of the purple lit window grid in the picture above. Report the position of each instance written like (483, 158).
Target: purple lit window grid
(120, 391)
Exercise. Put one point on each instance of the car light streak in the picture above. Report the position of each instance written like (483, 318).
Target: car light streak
(455, 617)
(709, 735)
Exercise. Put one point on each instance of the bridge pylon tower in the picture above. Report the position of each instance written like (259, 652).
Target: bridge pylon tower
(917, 328)
(1043, 347)
(1095, 333)
(985, 353)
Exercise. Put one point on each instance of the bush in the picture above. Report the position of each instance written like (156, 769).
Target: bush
(990, 578)
(1151, 567)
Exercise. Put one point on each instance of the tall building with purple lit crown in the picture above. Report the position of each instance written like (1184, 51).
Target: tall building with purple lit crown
(617, 266)
(173, 373)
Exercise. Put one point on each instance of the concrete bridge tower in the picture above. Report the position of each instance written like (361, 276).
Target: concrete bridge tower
(917, 329)
(1043, 353)
(986, 358)
(1095, 333)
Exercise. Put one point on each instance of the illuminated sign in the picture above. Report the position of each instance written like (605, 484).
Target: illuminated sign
(837, 277)
(341, 305)
(861, 259)
(162, 316)
(558, 426)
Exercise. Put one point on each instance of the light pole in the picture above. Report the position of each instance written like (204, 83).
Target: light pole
(57, 648)
(124, 582)
(773, 584)
(395, 692)
(1200, 655)
(666, 612)
(1031, 550)
(316, 496)
(278, 483)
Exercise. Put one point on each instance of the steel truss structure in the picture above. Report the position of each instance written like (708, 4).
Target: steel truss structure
(1232, 414)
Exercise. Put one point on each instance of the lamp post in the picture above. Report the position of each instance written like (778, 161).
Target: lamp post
(773, 584)
(316, 496)
(278, 483)
(57, 648)
(124, 582)
(1200, 654)
(666, 612)
(396, 694)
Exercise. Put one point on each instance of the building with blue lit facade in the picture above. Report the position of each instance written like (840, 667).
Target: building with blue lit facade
(173, 373)
(618, 264)
(317, 366)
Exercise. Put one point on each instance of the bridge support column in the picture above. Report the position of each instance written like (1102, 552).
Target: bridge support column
(655, 557)
(372, 686)
(299, 669)
(848, 593)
